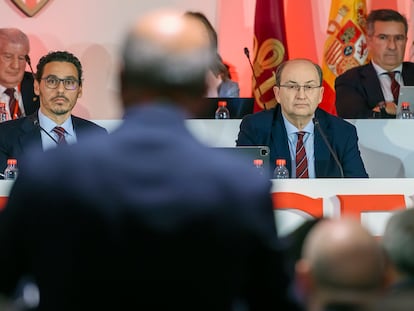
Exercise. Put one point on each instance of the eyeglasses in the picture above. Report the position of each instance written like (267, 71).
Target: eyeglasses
(297, 87)
(52, 82)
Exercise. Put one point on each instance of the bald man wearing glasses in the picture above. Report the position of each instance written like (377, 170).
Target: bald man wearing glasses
(313, 143)
(58, 84)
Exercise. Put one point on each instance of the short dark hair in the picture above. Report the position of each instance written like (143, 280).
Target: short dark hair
(279, 70)
(58, 56)
(385, 15)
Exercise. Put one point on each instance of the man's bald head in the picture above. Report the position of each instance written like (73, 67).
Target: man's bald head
(343, 260)
(167, 53)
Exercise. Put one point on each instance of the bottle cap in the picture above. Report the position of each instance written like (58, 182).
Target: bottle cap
(258, 162)
(222, 103)
(280, 162)
(11, 161)
(2, 105)
(405, 104)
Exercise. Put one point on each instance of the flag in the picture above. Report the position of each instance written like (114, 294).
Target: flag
(345, 46)
(269, 50)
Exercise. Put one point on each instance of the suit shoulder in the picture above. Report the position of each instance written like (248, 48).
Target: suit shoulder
(354, 72)
(12, 124)
(334, 121)
(261, 115)
(408, 66)
(87, 124)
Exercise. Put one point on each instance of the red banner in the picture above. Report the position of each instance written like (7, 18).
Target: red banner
(269, 50)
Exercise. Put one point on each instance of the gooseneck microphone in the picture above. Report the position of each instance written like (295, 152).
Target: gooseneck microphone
(36, 123)
(247, 53)
(332, 152)
(30, 65)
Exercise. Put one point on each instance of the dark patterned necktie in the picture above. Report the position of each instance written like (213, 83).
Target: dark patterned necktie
(395, 86)
(301, 160)
(60, 131)
(13, 104)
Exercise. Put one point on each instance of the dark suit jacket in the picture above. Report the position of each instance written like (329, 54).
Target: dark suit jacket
(30, 99)
(358, 90)
(267, 128)
(146, 218)
(21, 136)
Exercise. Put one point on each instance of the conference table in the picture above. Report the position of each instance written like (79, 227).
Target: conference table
(370, 201)
(387, 149)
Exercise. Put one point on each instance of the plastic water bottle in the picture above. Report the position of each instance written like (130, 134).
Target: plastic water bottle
(258, 164)
(3, 112)
(280, 172)
(11, 171)
(405, 111)
(222, 112)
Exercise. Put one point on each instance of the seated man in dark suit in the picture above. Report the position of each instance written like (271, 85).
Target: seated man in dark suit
(58, 84)
(16, 85)
(146, 218)
(371, 90)
(297, 120)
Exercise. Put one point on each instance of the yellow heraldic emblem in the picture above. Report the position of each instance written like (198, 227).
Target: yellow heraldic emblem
(30, 7)
(268, 56)
(346, 47)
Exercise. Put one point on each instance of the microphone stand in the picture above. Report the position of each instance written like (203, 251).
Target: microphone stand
(247, 53)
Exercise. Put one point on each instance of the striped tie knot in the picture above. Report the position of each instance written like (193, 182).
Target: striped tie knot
(60, 131)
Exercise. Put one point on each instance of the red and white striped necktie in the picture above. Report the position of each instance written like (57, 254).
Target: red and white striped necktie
(301, 160)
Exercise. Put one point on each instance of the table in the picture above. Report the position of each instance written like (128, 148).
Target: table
(371, 201)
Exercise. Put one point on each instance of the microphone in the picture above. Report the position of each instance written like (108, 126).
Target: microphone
(247, 53)
(36, 123)
(30, 65)
(332, 152)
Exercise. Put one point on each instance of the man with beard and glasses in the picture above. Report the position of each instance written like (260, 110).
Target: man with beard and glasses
(58, 84)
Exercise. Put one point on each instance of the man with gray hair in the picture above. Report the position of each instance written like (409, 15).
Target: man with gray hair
(398, 242)
(146, 218)
(342, 265)
(16, 85)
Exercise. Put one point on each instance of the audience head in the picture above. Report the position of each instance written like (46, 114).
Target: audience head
(400, 302)
(14, 46)
(296, 238)
(58, 84)
(166, 55)
(387, 37)
(212, 34)
(398, 242)
(298, 90)
(342, 263)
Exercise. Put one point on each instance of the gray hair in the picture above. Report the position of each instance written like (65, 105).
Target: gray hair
(279, 70)
(398, 241)
(384, 15)
(14, 35)
(147, 64)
